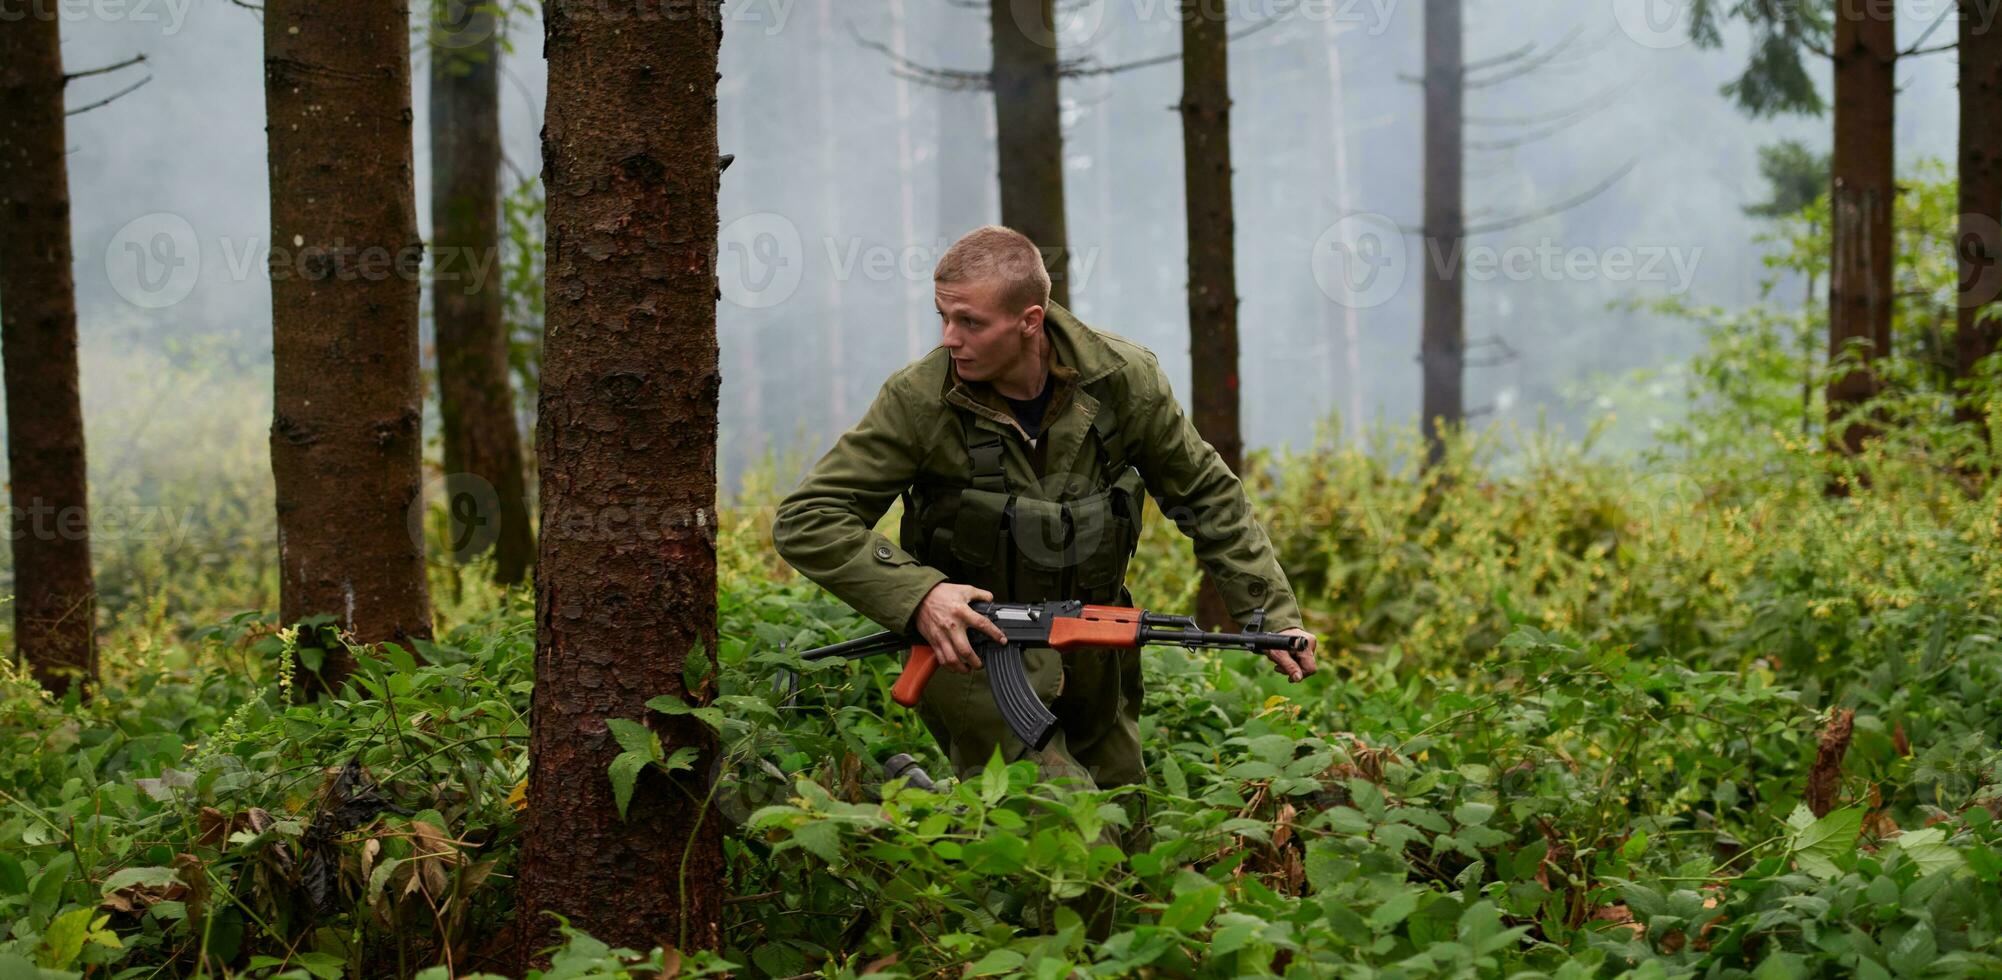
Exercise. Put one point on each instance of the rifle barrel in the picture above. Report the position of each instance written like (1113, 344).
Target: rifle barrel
(866, 646)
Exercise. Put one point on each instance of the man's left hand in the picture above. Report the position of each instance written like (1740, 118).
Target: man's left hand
(1295, 664)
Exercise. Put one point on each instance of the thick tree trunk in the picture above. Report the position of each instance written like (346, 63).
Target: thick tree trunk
(626, 577)
(1206, 196)
(1979, 331)
(55, 602)
(346, 432)
(1031, 132)
(1859, 282)
(1442, 345)
(475, 403)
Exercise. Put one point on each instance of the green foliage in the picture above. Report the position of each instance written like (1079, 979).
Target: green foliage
(1568, 716)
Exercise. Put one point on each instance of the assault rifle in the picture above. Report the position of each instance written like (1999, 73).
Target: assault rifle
(1063, 626)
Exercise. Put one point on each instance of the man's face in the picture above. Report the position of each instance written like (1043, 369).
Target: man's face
(985, 338)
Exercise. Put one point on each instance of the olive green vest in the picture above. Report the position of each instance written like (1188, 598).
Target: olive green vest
(1024, 548)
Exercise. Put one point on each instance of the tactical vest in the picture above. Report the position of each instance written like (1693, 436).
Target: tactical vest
(985, 533)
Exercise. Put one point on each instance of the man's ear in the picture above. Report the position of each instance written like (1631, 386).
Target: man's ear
(1032, 320)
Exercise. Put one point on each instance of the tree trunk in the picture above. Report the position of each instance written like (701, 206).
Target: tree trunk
(1206, 195)
(1337, 136)
(834, 319)
(346, 430)
(1859, 282)
(1979, 332)
(1031, 132)
(482, 445)
(1443, 343)
(55, 601)
(626, 577)
(916, 304)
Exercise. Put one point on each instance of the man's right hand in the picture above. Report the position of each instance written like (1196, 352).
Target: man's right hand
(944, 619)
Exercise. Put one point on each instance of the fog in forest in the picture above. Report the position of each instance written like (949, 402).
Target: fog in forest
(849, 181)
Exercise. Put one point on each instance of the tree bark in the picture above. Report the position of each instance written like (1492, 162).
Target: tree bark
(1031, 147)
(346, 430)
(475, 402)
(1206, 187)
(1978, 331)
(1443, 342)
(626, 577)
(55, 600)
(1859, 282)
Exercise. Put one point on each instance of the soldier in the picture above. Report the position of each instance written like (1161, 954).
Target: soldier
(1021, 446)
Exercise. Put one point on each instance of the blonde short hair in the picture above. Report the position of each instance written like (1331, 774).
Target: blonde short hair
(994, 252)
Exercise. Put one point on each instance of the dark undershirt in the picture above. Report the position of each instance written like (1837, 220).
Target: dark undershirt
(1030, 412)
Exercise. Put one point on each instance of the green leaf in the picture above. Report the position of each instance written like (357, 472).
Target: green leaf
(63, 942)
(625, 773)
(695, 670)
(998, 961)
(668, 704)
(1929, 850)
(1191, 909)
(145, 877)
(1817, 845)
(820, 838)
(1914, 951)
(1473, 814)
(13, 880)
(1172, 777)
(1390, 913)
(635, 737)
(682, 759)
(994, 779)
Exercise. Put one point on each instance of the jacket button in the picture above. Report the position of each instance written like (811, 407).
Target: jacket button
(883, 552)
(1257, 588)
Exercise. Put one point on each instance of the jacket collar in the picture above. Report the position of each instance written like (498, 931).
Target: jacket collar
(1078, 356)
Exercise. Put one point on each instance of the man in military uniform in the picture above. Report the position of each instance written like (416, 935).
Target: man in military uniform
(1021, 447)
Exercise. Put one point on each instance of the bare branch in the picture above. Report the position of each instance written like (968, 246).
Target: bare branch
(1935, 49)
(1561, 206)
(107, 69)
(1084, 67)
(107, 100)
(1558, 115)
(1944, 10)
(1526, 67)
(1500, 59)
(951, 79)
(1582, 112)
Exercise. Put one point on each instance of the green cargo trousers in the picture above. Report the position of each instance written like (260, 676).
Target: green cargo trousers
(1095, 694)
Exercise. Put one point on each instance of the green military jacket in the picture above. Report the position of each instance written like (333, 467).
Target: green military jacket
(916, 433)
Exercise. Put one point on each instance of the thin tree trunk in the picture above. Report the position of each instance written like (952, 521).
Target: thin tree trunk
(55, 600)
(1205, 109)
(1443, 342)
(626, 577)
(346, 433)
(1031, 132)
(1859, 282)
(836, 365)
(1338, 134)
(1978, 332)
(475, 404)
(907, 194)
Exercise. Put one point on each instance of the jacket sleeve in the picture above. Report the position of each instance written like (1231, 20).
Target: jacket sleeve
(825, 529)
(1197, 491)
